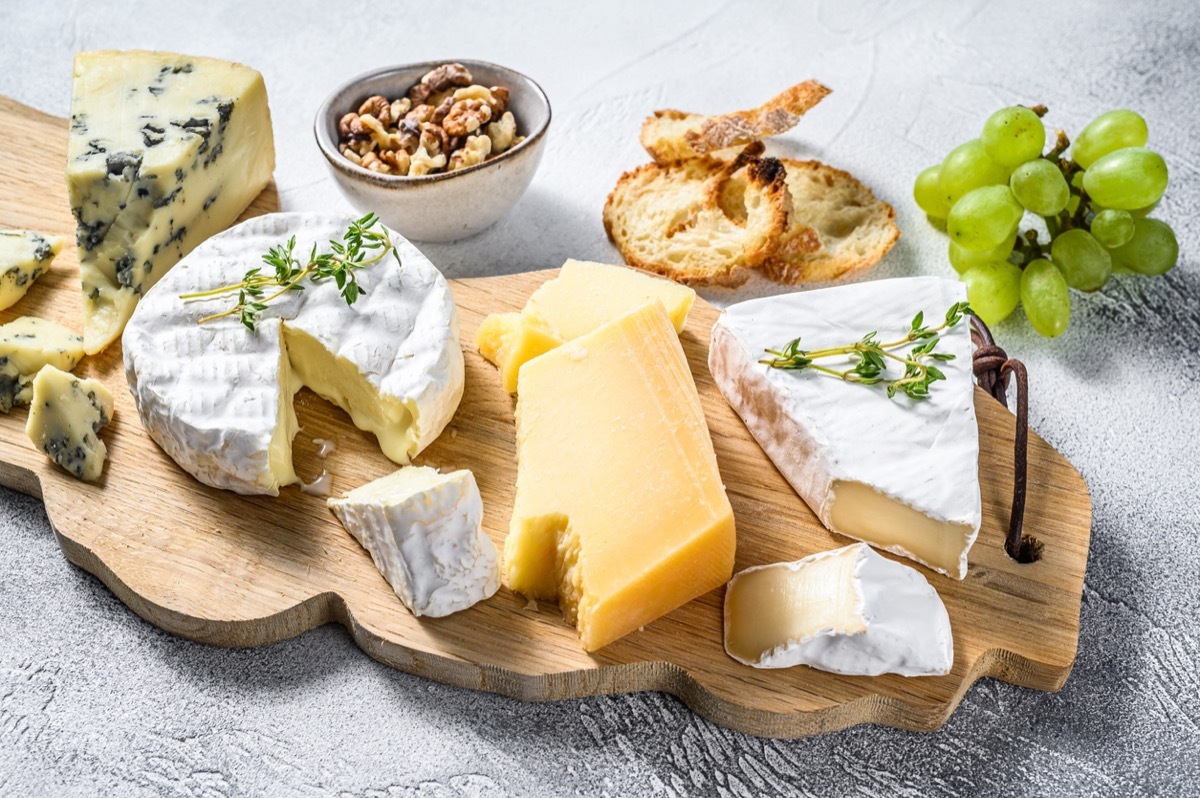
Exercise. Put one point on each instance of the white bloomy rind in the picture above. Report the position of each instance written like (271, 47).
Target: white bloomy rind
(819, 430)
(907, 626)
(217, 397)
(424, 531)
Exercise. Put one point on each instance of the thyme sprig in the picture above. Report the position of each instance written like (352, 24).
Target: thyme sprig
(361, 246)
(870, 357)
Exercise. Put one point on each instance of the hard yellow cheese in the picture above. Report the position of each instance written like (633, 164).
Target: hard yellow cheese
(583, 297)
(620, 513)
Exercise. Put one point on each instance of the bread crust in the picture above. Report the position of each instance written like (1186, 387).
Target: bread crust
(670, 135)
(664, 218)
(853, 228)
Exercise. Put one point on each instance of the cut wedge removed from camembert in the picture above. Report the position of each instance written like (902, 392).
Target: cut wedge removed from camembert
(850, 611)
(901, 474)
(24, 256)
(217, 397)
(164, 151)
(620, 513)
(582, 297)
(424, 531)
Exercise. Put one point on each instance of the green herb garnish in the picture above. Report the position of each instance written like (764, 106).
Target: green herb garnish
(361, 246)
(870, 357)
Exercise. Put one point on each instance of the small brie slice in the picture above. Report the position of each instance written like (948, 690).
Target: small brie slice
(851, 611)
(424, 530)
(65, 419)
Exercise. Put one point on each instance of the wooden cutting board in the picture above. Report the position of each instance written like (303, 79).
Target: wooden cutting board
(235, 571)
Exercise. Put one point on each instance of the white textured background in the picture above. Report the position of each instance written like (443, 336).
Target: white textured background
(93, 700)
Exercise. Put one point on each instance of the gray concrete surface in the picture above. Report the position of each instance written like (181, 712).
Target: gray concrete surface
(95, 701)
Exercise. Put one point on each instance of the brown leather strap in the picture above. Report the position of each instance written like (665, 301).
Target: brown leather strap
(992, 367)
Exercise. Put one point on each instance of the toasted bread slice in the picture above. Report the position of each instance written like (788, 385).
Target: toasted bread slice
(675, 135)
(668, 219)
(837, 227)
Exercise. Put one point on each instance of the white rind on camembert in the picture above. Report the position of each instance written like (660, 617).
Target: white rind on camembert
(217, 397)
(850, 611)
(900, 474)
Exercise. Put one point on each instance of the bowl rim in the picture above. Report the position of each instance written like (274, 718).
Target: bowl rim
(352, 170)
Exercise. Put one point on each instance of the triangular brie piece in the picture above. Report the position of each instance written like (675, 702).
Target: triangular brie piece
(901, 474)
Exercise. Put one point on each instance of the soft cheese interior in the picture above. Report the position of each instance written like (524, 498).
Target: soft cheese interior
(900, 474)
(217, 397)
(164, 151)
(848, 611)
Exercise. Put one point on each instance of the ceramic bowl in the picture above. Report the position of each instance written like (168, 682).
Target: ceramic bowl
(448, 205)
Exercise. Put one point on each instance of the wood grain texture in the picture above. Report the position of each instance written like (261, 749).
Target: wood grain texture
(243, 571)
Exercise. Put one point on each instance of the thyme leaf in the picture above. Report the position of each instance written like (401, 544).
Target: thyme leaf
(364, 244)
(870, 357)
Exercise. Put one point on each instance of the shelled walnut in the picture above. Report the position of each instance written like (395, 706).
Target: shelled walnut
(443, 123)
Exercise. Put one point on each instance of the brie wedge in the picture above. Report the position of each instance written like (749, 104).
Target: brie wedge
(850, 611)
(424, 531)
(164, 150)
(24, 257)
(65, 419)
(217, 397)
(900, 474)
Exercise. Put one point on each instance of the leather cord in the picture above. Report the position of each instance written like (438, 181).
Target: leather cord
(993, 367)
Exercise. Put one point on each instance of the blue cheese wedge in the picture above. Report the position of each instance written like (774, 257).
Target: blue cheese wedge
(65, 419)
(849, 611)
(164, 151)
(424, 531)
(901, 474)
(24, 257)
(26, 345)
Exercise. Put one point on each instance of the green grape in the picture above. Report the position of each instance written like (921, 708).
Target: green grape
(929, 195)
(1084, 263)
(1153, 248)
(963, 259)
(1142, 213)
(1045, 297)
(993, 289)
(1112, 228)
(984, 218)
(968, 167)
(1127, 179)
(1039, 185)
(1013, 136)
(1107, 133)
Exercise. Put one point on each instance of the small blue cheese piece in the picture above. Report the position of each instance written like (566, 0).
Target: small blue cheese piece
(424, 530)
(65, 419)
(164, 150)
(24, 257)
(26, 345)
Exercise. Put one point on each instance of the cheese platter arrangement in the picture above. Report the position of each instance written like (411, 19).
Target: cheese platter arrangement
(792, 514)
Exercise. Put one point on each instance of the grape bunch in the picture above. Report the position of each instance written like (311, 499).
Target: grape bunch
(1093, 207)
